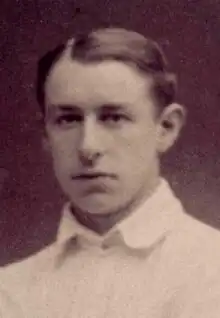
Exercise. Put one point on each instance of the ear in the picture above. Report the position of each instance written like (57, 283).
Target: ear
(170, 123)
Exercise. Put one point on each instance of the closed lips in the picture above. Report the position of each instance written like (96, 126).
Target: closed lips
(93, 176)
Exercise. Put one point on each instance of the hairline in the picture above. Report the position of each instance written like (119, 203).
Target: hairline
(99, 59)
(163, 89)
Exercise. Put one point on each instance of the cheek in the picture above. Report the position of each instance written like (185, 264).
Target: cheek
(139, 145)
(62, 150)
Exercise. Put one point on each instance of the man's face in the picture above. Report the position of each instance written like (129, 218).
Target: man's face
(102, 132)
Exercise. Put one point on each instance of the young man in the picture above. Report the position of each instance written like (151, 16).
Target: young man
(125, 247)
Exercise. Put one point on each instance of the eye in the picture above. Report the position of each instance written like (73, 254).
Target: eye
(68, 119)
(114, 117)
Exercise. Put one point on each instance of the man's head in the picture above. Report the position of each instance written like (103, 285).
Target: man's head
(108, 105)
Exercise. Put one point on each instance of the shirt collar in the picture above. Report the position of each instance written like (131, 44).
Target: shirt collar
(143, 228)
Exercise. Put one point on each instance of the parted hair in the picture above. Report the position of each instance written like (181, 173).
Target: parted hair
(114, 44)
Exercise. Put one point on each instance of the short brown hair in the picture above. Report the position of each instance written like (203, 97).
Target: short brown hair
(116, 44)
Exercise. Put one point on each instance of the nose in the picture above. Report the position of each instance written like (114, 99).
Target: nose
(90, 148)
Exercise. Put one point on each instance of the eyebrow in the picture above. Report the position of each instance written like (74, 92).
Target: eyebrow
(113, 107)
(63, 108)
(103, 107)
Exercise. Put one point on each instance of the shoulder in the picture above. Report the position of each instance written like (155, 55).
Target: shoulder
(190, 266)
(200, 261)
(25, 272)
(198, 236)
(194, 248)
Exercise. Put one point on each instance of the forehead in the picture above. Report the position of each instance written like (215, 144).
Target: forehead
(95, 83)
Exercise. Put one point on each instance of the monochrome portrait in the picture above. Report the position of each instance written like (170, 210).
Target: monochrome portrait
(110, 164)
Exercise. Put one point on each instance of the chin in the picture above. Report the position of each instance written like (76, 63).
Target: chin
(97, 207)
(94, 202)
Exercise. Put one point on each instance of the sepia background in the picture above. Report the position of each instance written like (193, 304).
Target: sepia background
(188, 31)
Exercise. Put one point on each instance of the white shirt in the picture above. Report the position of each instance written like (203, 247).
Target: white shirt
(157, 263)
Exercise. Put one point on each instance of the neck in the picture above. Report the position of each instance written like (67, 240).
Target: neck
(102, 223)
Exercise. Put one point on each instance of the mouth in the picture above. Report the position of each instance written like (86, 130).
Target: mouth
(93, 176)
(95, 183)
